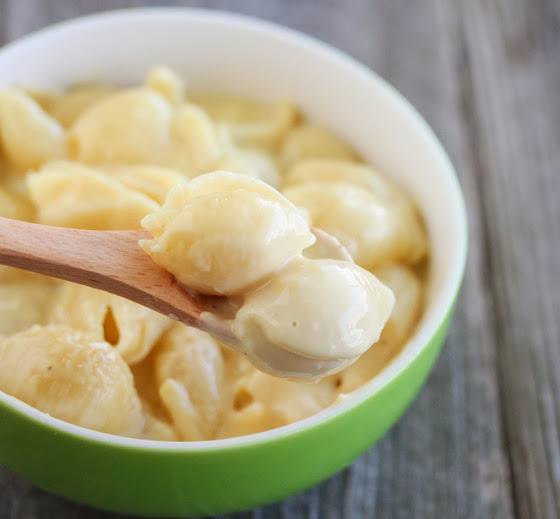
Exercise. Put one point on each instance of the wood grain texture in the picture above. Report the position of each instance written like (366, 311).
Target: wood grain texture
(482, 440)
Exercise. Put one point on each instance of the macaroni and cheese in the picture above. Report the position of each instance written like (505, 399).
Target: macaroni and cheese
(225, 185)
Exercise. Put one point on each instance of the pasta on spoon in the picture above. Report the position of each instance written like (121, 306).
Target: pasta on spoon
(223, 233)
(220, 238)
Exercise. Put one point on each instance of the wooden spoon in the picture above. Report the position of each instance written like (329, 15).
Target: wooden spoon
(113, 261)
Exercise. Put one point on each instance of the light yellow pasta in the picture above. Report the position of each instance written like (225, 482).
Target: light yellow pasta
(266, 129)
(154, 181)
(359, 175)
(199, 146)
(105, 204)
(73, 376)
(12, 179)
(147, 387)
(370, 364)
(221, 182)
(257, 402)
(374, 232)
(408, 301)
(310, 141)
(13, 275)
(158, 430)
(24, 302)
(130, 328)
(67, 108)
(28, 135)
(168, 83)
(193, 360)
(250, 123)
(226, 242)
(261, 402)
(402, 234)
(43, 98)
(183, 411)
(157, 424)
(253, 163)
(130, 126)
(252, 419)
(10, 275)
(14, 206)
(196, 146)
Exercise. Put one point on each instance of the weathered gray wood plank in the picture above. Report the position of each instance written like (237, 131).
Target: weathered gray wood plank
(514, 61)
(482, 438)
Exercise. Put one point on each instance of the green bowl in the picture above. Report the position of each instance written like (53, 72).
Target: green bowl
(222, 51)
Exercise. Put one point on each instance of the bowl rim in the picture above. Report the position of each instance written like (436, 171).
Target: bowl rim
(444, 301)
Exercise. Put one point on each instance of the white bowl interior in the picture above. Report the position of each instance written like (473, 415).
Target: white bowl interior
(232, 53)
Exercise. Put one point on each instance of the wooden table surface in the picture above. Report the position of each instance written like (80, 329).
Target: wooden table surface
(482, 439)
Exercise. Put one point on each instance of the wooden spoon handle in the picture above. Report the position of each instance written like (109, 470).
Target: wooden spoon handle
(71, 254)
(108, 260)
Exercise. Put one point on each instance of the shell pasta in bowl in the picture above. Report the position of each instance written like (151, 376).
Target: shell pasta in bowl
(229, 170)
